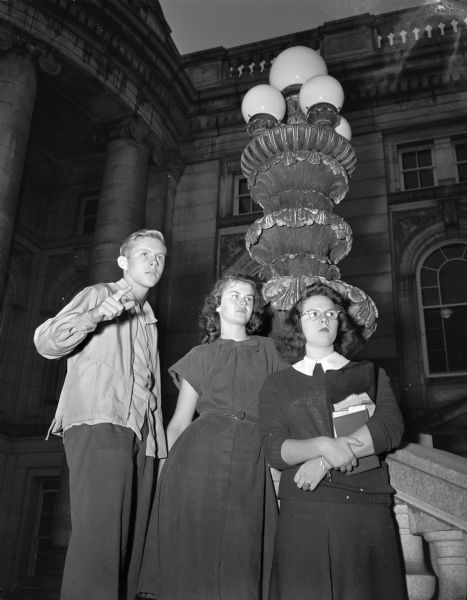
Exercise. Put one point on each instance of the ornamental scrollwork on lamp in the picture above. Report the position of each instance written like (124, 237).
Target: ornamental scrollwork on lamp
(298, 170)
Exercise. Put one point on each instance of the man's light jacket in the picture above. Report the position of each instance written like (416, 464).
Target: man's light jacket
(99, 381)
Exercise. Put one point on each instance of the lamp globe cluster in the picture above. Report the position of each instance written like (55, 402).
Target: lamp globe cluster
(298, 164)
(298, 70)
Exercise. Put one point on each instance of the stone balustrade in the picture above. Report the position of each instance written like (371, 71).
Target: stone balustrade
(399, 31)
(431, 511)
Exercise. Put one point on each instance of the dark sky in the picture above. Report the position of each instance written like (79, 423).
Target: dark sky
(201, 24)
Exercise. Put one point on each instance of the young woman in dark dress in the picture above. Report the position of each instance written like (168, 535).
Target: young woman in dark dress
(212, 529)
(336, 538)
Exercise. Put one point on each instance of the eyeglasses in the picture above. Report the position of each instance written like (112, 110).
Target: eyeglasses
(314, 315)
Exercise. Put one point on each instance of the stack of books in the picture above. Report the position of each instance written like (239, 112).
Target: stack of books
(348, 416)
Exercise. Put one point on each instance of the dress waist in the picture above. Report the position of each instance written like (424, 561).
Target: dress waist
(239, 415)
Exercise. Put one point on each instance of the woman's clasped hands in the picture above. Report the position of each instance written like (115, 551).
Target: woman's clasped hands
(336, 454)
(310, 473)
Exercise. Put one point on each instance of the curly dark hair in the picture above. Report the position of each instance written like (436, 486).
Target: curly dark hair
(209, 320)
(290, 340)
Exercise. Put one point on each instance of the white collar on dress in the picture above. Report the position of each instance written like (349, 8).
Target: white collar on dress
(333, 362)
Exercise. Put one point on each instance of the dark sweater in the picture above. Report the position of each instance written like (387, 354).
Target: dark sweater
(286, 412)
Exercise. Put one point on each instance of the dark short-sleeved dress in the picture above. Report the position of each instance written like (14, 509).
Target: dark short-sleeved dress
(212, 527)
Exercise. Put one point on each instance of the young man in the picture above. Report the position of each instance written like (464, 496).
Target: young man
(109, 414)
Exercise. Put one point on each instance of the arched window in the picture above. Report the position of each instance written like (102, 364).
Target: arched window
(442, 283)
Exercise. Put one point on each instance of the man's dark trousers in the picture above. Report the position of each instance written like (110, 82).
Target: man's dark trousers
(111, 492)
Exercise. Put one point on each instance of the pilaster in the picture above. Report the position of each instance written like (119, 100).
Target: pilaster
(18, 82)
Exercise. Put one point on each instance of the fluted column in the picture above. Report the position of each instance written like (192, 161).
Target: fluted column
(18, 83)
(122, 204)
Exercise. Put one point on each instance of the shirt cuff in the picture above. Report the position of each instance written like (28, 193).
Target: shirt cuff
(378, 436)
(273, 452)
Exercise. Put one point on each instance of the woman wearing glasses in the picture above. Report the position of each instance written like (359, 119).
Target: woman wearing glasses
(336, 538)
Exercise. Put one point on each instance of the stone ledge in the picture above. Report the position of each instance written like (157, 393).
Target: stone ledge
(432, 481)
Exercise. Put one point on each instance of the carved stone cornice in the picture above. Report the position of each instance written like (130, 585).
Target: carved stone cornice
(378, 59)
(126, 46)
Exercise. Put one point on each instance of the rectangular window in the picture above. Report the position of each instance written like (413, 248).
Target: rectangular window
(461, 160)
(417, 170)
(41, 558)
(88, 214)
(242, 202)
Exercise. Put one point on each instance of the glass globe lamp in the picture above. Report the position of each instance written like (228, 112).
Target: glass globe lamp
(263, 99)
(292, 67)
(321, 88)
(343, 128)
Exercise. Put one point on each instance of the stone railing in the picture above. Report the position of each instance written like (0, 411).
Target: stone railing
(402, 30)
(431, 511)
(410, 34)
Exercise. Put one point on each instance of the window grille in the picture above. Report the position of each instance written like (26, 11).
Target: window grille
(41, 557)
(88, 215)
(417, 169)
(242, 201)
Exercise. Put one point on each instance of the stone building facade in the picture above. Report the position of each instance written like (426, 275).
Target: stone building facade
(106, 129)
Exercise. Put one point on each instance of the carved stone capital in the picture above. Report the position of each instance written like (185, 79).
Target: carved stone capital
(49, 64)
(11, 39)
(133, 129)
(173, 164)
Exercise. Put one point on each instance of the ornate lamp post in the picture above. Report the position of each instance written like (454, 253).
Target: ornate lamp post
(298, 170)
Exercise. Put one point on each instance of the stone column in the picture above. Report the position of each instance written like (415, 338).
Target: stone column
(18, 83)
(122, 204)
